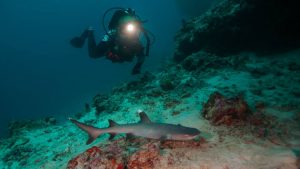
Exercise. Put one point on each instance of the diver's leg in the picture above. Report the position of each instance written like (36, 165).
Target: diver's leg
(92, 46)
(97, 51)
(140, 59)
(137, 67)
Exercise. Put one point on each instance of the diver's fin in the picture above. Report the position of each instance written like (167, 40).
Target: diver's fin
(77, 42)
(93, 132)
(144, 118)
(112, 123)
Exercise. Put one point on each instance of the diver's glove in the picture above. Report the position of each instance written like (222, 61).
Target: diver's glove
(78, 42)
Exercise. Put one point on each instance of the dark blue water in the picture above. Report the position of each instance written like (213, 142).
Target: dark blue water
(42, 75)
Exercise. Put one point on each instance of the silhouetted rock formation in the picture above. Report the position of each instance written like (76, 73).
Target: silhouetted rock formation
(238, 25)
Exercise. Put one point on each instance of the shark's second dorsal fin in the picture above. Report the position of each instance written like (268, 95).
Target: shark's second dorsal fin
(112, 123)
(144, 117)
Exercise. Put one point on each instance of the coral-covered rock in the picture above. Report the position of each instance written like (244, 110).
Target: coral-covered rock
(135, 85)
(205, 61)
(95, 158)
(50, 120)
(192, 62)
(99, 102)
(16, 127)
(145, 158)
(20, 152)
(147, 77)
(104, 103)
(168, 82)
(182, 144)
(139, 153)
(158, 154)
(240, 25)
(220, 110)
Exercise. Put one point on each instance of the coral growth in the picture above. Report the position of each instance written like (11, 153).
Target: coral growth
(168, 82)
(145, 158)
(235, 112)
(137, 154)
(104, 103)
(96, 158)
(220, 110)
(15, 127)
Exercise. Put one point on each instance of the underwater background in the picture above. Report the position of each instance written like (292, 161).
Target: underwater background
(222, 75)
(42, 75)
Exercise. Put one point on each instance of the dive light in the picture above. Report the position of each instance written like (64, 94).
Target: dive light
(130, 28)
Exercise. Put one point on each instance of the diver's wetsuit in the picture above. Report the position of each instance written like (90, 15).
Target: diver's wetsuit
(126, 50)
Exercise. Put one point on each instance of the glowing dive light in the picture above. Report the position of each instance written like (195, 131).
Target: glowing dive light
(130, 28)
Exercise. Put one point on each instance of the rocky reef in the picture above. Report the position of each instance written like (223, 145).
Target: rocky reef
(246, 106)
(234, 26)
(246, 109)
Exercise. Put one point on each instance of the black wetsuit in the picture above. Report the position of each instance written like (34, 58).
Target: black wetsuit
(117, 49)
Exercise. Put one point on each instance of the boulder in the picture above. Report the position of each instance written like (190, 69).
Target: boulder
(222, 111)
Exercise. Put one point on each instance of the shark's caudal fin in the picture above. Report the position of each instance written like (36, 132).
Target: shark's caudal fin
(93, 132)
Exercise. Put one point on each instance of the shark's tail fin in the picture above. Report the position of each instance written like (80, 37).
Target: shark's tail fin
(93, 132)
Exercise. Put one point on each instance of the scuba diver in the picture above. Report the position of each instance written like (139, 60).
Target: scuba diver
(122, 41)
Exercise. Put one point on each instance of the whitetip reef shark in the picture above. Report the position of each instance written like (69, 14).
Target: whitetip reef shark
(145, 128)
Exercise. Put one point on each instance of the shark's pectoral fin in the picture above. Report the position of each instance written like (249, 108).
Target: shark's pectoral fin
(90, 140)
(163, 138)
(111, 136)
(144, 118)
(129, 136)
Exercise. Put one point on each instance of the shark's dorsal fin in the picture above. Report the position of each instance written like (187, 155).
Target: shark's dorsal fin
(112, 123)
(144, 117)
